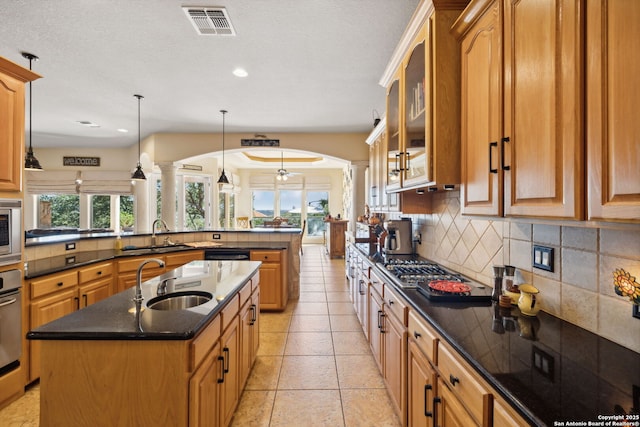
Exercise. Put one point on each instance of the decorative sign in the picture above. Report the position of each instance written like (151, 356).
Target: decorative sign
(80, 161)
(260, 142)
(192, 167)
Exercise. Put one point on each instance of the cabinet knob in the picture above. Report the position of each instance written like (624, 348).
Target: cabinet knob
(390, 301)
(60, 283)
(453, 380)
(99, 273)
(416, 334)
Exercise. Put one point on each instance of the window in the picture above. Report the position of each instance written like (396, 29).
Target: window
(194, 203)
(226, 209)
(127, 216)
(317, 209)
(58, 211)
(291, 206)
(100, 211)
(263, 206)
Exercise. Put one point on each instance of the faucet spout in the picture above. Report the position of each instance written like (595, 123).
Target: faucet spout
(153, 230)
(138, 295)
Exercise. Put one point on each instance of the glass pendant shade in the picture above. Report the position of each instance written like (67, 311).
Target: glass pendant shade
(138, 174)
(30, 161)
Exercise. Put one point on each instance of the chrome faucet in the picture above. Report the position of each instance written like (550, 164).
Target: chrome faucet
(138, 296)
(153, 230)
(162, 286)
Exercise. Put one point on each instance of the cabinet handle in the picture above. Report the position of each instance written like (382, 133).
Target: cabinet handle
(360, 287)
(397, 169)
(99, 273)
(221, 379)
(503, 140)
(416, 334)
(491, 145)
(408, 162)
(84, 299)
(453, 380)
(226, 359)
(59, 283)
(380, 320)
(390, 302)
(427, 387)
(436, 400)
(77, 303)
(254, 316)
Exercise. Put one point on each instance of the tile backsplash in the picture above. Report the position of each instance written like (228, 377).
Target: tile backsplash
(580, 288)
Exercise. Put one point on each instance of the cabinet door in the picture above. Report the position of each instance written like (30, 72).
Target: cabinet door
(204, 391)
(246, 344)
(395, 359)
(421, 388)
(449, 411)
(230, 349)
(505, 416)
(270, 284)
(94, 292)
(376, 326)
(362, 303)
(612, 126)
(544, 151)
(44, 311)
(481, 111)
(393, 156)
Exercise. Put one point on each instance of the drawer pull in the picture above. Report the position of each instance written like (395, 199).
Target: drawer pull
(226, 359)
(453, 380)
(99, 273)
(427, 387)
(492, 144)
(416, 334)
(390, 302)
(221, 379)
(59, 283)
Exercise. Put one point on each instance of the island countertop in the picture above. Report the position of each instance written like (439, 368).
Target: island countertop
(120, 318)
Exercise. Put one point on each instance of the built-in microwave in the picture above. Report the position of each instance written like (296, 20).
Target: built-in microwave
(10, 231)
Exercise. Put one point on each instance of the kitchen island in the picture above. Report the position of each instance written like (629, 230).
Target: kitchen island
(120, 362)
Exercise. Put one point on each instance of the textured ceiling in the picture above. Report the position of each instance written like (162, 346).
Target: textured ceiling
(313, 66)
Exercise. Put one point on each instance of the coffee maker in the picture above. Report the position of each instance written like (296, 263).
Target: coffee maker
(399, 239)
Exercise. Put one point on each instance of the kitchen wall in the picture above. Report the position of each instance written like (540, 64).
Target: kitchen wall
(579, 290)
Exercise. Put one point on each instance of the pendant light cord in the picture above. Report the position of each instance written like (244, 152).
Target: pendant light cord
(223, 114)
(139, 98)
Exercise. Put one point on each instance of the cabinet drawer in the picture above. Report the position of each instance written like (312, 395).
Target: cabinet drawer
(47, 285)
(376, 282)
(204, 342)
(132, 264)
(265, 256)
(457, 375)
(179, 259)
(230, 311)
(245, 293)
(423, 336)
(395, 305)
(97, 271)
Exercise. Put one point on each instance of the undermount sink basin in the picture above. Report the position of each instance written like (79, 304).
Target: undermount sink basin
(179, 300)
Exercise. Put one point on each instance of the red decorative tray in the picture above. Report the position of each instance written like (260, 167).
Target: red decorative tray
(449, 286)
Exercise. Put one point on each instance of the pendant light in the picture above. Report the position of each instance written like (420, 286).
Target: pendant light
(138, 175)
(223, 176)
(30, 161)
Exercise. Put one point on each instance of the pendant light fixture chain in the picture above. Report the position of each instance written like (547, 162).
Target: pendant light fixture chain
(223, 176)
(138, 175)
(30, 161)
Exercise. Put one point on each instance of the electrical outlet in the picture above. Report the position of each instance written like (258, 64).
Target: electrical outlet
(542, 258)
(636, 311)
(216, 236)
(70, 246)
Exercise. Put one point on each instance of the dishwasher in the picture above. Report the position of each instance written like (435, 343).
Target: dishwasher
(227, 254)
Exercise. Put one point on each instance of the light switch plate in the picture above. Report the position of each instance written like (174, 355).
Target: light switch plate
(542, 257)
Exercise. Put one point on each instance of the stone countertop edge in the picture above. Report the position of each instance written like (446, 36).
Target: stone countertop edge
(61, 263)
(115, 318)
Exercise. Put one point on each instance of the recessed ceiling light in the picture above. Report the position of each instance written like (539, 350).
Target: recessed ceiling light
(240, 72)
(123, 130)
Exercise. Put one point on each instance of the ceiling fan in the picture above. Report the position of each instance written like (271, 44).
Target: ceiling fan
(282, 174)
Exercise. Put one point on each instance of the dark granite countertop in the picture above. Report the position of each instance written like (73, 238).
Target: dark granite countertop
(548, 369)
(57, 264)
(120, 318)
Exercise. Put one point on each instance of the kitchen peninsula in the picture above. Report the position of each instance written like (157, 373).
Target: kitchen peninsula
(122, 362)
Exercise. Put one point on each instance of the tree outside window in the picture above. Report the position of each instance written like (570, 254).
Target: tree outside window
(59, 211)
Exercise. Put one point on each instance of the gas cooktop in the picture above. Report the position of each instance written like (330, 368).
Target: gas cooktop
(436, 282)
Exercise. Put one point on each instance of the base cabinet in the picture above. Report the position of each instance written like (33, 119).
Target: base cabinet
(448, 409)
(335, 239)
(204, 390)
(274, 284)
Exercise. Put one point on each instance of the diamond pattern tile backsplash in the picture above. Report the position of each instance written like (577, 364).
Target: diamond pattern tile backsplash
(579, 290)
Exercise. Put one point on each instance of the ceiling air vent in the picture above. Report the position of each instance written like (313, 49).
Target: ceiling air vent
(210, 21)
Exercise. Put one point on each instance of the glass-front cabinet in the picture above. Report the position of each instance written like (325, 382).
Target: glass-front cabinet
(423, 104)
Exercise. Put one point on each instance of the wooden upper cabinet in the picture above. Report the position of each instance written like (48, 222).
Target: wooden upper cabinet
(481, 113)
(393, 167)
(522, 108)
(543, 87)
(12, 80)
(612, 125)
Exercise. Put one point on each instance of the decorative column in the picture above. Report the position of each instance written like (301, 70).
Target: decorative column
(168, 177)
(357, 170)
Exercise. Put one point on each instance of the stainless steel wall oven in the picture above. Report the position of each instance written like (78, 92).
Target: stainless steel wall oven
(10, 231)
(10, 320)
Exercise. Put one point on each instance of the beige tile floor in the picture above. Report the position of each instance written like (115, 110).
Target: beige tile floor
(314, 365)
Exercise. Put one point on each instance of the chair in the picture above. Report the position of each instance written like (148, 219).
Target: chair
(304, 226)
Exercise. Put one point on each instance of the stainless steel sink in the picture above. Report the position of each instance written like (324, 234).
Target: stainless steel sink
(179, 300)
